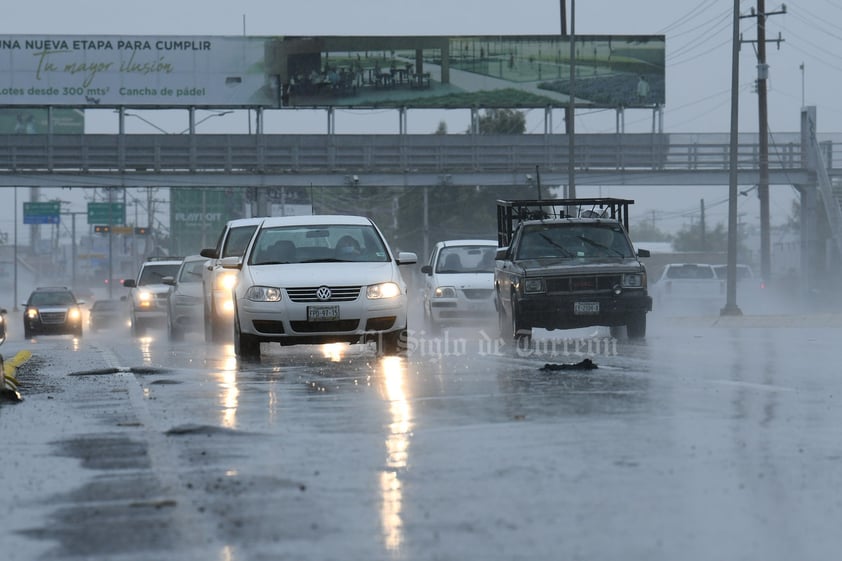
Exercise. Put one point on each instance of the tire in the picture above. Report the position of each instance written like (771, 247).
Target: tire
(173, 331)
(217, 330)
(636, 326)
(393, 343)
(246, 346)
(617, 331)
(207, 318)
(521, 335)
(138, 329)
(77, 332)
(430, 324)
(27, 333)
(504, 325)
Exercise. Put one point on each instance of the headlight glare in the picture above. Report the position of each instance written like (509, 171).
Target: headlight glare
(226, 281)
(444, 292)
(382, 290)
(32, 313)
(263, 294)
(74, 314)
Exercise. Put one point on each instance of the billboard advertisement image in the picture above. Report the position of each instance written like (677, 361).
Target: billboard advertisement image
(436, 72)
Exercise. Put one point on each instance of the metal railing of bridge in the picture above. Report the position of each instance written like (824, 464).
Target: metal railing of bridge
(209, 153)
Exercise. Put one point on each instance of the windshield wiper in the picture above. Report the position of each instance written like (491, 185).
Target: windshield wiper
(589, 241)
(565, 252)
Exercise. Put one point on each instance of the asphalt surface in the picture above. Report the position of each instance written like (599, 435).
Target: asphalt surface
(715, 438)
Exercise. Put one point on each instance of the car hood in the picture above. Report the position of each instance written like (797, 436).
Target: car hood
(466, 280)
(554, 267)
(317, 274)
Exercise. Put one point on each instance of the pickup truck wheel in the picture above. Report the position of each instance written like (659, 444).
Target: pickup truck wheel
(504, 326)
(636, 326)
(521, 335)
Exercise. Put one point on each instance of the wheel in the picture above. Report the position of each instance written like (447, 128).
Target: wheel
(137, 328)
(522, 335)
(617, 331)
(504, 325)
(173, 331)
(430, 324)
(27, 333)
(246, 346)
(78, 332)
(636, 326)
(392, 343)
(208, 317)
(217, 329)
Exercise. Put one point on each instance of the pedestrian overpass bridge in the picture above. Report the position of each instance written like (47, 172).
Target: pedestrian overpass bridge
(809, 161)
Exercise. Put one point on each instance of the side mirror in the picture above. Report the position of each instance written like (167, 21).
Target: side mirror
(643, 253)
(129, 283)
(210, 253)
(168, 280)
(406, 258)
(427, 270)
(501, 254)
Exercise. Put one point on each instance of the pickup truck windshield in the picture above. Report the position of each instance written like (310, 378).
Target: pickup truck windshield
(554, 241)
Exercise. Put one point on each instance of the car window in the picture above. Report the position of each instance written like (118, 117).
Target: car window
(690, 272)
(466, 259)
(237, 241)
(191, 271)
(574, 241)
(153, 274)
(314, 244)
(104, 305)
(51, 298)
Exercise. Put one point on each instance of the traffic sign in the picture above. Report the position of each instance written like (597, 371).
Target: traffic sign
(42, 213)
(106, 213)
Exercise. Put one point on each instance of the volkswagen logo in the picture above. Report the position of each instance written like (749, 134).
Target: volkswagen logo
(323, 293)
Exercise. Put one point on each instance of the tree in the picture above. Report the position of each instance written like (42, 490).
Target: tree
(442, 129)
(502, 121)
(691, 238)
(648, 232)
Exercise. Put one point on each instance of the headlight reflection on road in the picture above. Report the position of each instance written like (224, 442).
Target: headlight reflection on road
(229, 393)
(146, 350)
(334, 351)
(397, 449)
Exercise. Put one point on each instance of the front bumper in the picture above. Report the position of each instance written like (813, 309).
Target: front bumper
(286, 322)
(551, 311)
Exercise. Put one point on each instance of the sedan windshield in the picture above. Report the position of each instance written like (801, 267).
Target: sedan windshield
(317, 244)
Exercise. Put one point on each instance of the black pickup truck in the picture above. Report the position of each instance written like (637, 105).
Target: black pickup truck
(568, 263)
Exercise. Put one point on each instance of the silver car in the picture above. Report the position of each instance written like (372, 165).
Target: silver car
(184, 305)
(319, 279)
(459, 282)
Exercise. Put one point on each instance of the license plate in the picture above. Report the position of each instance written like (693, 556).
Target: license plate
(322, 313)
(585, 308)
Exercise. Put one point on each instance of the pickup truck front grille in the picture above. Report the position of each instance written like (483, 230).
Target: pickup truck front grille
(583, 283)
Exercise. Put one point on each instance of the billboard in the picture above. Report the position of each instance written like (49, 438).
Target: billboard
(135, 71)
(197, 216)
(436, 72)
(34, 120)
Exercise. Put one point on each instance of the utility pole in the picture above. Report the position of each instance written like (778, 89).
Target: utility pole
(570, 110)
(731, 308)
(702, 236)
(763, 130)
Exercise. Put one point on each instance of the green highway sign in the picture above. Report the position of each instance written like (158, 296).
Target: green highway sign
(42, 213)
(106, 213)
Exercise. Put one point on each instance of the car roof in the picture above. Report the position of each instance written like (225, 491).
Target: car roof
(163, 262)
(196, 257)
(52, 289)
(452, 243)
(554, 221)
(316, 220)
(245, 221)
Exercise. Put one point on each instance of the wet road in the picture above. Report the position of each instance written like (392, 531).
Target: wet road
(710, 439)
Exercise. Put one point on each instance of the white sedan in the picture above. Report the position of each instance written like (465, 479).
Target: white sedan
(459, 282)
(319, 279)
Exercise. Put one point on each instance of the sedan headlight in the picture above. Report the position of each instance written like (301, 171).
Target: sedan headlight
(444, 292)
(382, 290)
(263, 294)
(633, 280)
(144, 298)
(534, 286)
(226, 281)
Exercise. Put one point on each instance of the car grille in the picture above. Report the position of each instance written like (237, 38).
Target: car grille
(324, 326)
(477, 293)
(337, 294)
(53, 317)
(583, 283)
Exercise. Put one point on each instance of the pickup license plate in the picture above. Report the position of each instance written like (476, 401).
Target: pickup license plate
(322, 313)
(585, 308)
